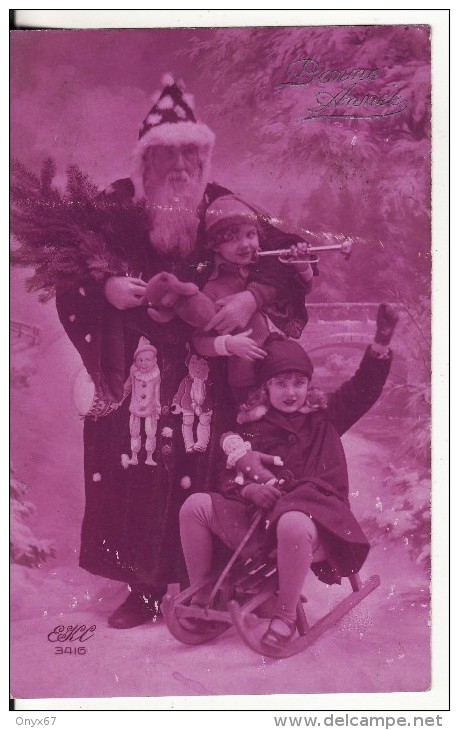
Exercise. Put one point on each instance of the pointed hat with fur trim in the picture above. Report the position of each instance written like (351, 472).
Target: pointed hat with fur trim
(171, 120)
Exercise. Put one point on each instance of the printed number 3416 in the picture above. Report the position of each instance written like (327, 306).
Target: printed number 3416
(70, 650)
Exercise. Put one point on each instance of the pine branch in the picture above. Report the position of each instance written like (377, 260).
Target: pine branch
(72, 235)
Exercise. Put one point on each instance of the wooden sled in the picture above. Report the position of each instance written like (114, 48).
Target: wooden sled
(193, 624)
(242, 595)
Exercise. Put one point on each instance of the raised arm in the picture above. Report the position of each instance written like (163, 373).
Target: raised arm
(357, 395)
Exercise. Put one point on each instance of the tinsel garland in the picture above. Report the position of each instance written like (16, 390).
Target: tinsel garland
(71, 235)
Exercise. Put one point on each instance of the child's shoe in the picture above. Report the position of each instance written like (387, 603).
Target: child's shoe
(275, 639)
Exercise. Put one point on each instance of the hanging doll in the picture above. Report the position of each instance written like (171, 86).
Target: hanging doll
(193, 400)
(144, 381)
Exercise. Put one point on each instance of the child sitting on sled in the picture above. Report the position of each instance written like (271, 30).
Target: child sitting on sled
(307, 514)
(232, 233)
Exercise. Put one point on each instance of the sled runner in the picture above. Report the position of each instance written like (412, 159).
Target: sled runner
(241, 596)
(251, 628)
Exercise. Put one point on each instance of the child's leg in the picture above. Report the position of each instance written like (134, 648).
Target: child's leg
(196, 521)
(297, 539)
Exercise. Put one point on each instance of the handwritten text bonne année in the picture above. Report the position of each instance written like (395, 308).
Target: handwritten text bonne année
(350, 100)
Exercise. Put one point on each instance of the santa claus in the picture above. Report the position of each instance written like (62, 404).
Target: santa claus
(130, 529)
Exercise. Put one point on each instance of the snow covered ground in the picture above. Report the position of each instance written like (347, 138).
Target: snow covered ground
(381, 646)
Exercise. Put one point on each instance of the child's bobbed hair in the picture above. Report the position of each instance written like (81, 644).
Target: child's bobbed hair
(258, 404)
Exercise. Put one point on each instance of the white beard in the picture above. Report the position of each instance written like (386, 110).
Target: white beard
(174, 217)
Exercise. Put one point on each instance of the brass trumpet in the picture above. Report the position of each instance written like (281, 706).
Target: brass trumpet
(285, 254)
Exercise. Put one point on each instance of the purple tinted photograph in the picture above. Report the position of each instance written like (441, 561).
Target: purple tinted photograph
(220, 476)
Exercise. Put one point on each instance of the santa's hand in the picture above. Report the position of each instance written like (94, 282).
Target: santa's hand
(244, 347)
(234, 313)
(125, 292)
(263, 495)
(386, 321)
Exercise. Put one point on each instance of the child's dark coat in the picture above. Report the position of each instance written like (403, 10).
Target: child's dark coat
(315, 471)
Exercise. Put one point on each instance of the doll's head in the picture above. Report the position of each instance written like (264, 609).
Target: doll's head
(232, 230)
(198, 367)
(145, 356)
(233, 443)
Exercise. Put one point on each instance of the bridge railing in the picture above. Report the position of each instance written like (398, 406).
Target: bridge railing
(356, 311)
(22, 331)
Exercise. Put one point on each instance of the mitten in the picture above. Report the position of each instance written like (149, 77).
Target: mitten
(264, 496)
(386, 320)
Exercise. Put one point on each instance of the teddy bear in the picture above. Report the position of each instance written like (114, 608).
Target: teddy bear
(249, 464)
(168, 297)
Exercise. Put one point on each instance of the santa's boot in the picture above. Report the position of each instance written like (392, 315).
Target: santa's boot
(140, 607)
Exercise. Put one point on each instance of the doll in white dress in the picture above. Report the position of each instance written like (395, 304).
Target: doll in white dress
(145, 382)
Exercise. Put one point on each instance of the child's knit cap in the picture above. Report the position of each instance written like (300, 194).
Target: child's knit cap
(226, 211)
(283, 355)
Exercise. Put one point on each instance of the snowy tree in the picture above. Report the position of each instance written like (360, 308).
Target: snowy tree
(26, 549)
(404, 513)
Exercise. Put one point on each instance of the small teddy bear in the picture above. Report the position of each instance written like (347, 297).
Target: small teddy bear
(168, 297)
(248, 464)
